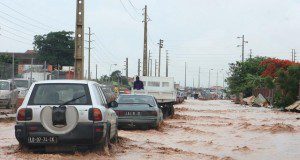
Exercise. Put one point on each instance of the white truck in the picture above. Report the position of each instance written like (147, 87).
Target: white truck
(163, 89)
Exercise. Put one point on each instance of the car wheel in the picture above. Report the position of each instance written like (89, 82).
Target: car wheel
(115, 139)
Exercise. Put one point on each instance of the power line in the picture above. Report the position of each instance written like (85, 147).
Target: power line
(103, 46)
(16, 24)
(31, 35)
(14, 34)
(25, 15)
(15, 39)
(23, 21)
(128, 11)
(133, 5)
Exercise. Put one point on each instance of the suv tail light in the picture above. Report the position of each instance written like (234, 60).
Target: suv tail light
(24, 114)
(95, 114)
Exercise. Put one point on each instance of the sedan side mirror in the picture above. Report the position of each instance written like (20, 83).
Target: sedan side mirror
(113, 104)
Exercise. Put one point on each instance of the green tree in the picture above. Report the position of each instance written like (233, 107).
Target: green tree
(56, 48)
(288, 85)
(5, 58)
(117, 77)
(244, 76)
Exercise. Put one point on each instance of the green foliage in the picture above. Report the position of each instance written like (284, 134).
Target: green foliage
(5, 58)
(288, 83)
(117, 77)
(245, 76)
(56, 48)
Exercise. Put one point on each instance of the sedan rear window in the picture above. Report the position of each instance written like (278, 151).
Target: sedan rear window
(132, 99)
(57, 94)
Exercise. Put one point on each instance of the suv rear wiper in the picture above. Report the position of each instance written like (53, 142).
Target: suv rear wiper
(72, 100)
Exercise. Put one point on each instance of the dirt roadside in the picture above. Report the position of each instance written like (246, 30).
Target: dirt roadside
(199, 130)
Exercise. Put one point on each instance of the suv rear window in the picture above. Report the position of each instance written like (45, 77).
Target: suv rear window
(57, 94)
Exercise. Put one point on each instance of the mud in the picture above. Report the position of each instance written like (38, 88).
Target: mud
(214, 130)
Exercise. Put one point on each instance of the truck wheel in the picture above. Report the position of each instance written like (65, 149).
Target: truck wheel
(171, 110)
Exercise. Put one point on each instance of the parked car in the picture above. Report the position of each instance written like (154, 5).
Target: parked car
(22, 87)
(66, 112)
(8, 93)
(138, 111)
(180, 97)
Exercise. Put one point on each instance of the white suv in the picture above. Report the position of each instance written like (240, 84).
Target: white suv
(66, 112)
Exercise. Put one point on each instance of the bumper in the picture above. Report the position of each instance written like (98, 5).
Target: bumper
(136, 122)
(4, 102)
(82, 134)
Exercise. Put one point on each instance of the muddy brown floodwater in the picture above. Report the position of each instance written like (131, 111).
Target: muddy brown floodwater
(199, 130)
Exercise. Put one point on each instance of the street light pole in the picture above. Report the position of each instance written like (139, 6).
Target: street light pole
(209, 77)
(110, 71)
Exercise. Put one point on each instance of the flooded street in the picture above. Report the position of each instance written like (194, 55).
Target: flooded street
(199, 130)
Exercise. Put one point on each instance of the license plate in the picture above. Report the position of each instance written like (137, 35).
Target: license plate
(42, 139)
(133, 113)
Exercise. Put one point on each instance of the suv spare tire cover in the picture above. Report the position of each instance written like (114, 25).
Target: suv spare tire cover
(71, 119)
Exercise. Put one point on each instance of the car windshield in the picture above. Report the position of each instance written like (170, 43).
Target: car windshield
(4, 85)
(131, 99)
(57, 94)
(22, 83)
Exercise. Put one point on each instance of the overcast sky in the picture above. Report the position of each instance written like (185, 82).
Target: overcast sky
(202, 33)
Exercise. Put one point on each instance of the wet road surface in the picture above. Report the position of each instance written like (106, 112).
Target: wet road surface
(199, 130)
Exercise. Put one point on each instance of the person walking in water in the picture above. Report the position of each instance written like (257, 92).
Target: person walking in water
(138, 85)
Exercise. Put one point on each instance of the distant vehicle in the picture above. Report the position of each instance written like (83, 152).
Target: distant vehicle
(162, 88)
(66, 112)
(22, 86)
(8, 94)
(138, 111)
(180, 97)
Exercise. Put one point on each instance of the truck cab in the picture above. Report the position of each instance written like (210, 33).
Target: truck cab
(163, 89)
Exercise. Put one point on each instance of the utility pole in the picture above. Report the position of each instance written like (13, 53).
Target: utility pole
(167, 64)
(250, 53)
(159, 60)
(209, 77)
(217, 78)
(293, 55)
(149, 59)
(145, 61)
(96, 72)
(150, 67)
(193, 82)
(243, 46)
(199, 85)
(79, 40)
(139, 67)
(45, 69)
(31, 68)
(126, 67)
(155, 71)
(89, 59)
(13, 67)
(184, 75)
